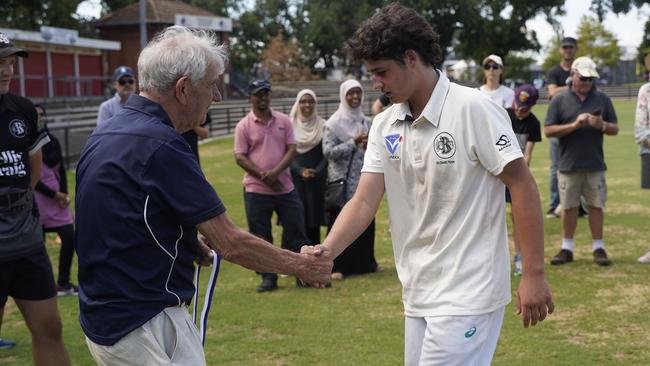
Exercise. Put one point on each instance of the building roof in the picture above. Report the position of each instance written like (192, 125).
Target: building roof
(158, 11)
(37, 37)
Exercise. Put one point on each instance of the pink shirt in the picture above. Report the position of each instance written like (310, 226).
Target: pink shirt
(265, 145)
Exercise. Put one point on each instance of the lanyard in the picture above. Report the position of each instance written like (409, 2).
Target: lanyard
(216, 263)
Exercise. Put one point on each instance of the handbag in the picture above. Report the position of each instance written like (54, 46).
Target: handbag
(335, 192)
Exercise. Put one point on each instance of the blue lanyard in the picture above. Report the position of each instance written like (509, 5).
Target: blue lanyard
(216, 263)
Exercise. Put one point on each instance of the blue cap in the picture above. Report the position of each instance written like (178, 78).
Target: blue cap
(257, 85)
(122, 71)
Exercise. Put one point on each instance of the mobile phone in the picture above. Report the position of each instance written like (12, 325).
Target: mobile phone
(597, 112)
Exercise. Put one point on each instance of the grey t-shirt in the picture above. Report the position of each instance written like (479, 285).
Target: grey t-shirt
(583, 148)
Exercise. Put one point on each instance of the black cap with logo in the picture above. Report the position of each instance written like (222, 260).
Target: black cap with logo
(7, 48)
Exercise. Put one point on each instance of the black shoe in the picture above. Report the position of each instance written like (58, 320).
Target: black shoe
(267, 285)
(300, 284)
(563, 257)
(550, 214)
(600, 257)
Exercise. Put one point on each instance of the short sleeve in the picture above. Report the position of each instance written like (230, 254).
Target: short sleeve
(610, 113)
(535, 133)
(372, 160)
(241, 140)
(174, 180)
(552, 117)
(288, 132)
(490, 138)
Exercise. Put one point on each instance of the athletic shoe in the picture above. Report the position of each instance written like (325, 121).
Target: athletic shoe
(600, 257)
(6, 343)
(563, 257)
(517, 272)
(551, 214)
(67, 290)
(267, 285)
(645, 259)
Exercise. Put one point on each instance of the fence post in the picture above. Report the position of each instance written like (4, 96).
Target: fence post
(228, 121)
(66, 138)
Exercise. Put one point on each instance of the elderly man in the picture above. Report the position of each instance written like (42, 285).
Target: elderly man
(25, 269)
(580, 117)
(141, 197)
(124, 85)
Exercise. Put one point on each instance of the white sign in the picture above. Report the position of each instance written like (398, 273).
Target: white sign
(202, 22)
(59, 35)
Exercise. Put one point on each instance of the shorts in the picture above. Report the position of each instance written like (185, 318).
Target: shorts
(169, 338)
(27, 278)
(590, 184)
(452, 340)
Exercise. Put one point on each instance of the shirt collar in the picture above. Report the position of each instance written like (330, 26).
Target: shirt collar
(257, 120)
(149, 107)
(432, 110)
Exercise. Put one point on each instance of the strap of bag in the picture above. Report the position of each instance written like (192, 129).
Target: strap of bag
(207, 302)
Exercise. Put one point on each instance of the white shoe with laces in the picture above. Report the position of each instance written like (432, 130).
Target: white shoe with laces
(645, 259)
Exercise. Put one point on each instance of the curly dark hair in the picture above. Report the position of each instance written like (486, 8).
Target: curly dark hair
(394, 29)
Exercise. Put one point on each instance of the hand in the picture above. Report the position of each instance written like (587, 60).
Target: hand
(204, 251)
(319, 265)
(582, 119)
(595, 121)
(62, 199)
(269, 177)
(360, 137)
(534, 300)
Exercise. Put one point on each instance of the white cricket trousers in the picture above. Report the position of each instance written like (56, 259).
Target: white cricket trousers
(452, 340)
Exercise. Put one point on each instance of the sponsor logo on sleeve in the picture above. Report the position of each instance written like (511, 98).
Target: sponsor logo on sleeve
(503, 142)
(18, 128)
(392, 143)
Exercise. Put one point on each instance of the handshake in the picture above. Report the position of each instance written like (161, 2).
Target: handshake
(316, 266)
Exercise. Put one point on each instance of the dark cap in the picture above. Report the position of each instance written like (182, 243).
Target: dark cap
(257, 85)
(7, 48)
(526, 96)
(122, 71)
(569, 41)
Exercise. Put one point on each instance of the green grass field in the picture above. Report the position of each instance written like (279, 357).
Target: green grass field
(601, 314)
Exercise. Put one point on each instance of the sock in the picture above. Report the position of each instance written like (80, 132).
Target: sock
(567, 244)
(597, 244)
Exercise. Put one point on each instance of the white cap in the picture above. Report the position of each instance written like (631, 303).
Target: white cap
(494, 58)
(585, 66)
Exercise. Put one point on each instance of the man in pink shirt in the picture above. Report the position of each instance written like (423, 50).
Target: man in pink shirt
(264, 148)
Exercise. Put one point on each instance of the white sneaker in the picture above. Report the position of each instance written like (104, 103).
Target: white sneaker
(645, 258)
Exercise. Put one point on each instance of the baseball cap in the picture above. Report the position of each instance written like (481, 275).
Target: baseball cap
(122, 71)
(526, 96)
(7, 48)
(494, 58)
(585, 67)
(257, 85)
(569, 41)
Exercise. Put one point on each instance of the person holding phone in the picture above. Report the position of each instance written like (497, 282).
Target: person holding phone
(580, 117)
(124, 83)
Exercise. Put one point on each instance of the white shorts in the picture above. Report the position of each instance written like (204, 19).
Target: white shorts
(169, 338)
(452, 340)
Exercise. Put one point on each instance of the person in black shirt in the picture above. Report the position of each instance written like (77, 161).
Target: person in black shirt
(198, 133)
(25, 269)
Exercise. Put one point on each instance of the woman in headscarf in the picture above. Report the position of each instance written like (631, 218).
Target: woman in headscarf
(344, 145)
(51, 195)
(309, 167)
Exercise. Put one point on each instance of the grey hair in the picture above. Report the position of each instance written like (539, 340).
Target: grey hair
(176, 52)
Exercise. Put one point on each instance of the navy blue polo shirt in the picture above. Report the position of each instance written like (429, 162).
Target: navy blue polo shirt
(140, 194)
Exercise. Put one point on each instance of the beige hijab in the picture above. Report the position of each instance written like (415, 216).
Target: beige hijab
(307, 131)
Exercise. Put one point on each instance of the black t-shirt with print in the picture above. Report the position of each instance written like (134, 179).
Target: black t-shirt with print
(21, 134)
(527, 129)
(557, 75)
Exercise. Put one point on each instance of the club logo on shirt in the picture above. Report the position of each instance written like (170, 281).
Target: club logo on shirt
(392, 143)
(444, 145)
(18, 128)
(503, 142)
(470, 332)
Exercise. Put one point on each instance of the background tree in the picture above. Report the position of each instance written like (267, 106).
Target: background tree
(282, 60)
(32, 14)
(517, 67)
(597, 42)
(601, 7)
(644, 49)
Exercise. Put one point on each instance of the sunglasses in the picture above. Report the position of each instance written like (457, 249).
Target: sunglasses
(585, 78)
(491, 67)
(124, 81)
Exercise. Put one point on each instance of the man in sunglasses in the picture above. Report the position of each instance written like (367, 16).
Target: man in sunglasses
(580, 117)
(124, 84)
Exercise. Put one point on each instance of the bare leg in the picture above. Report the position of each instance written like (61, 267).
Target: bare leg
(569, 222)
(596, 220)
(43, 321)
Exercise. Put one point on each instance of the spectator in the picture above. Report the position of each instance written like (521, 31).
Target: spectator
(557, 77)
(441, 153)
(309, 167)
(344, 146)
(580, 117)
(642, 136)
(527, 129)
(493, 80)
(25, 269)
(54, 205)
(264, 148)
(141, 196)
(124, 83)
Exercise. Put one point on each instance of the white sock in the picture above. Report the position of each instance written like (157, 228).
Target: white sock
(597, 244)
(567, 244)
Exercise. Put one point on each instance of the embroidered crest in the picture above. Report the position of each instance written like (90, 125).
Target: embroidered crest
(444, 145)
(18, 128)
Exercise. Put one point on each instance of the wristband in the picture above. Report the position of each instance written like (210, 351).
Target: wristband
(604, 127)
